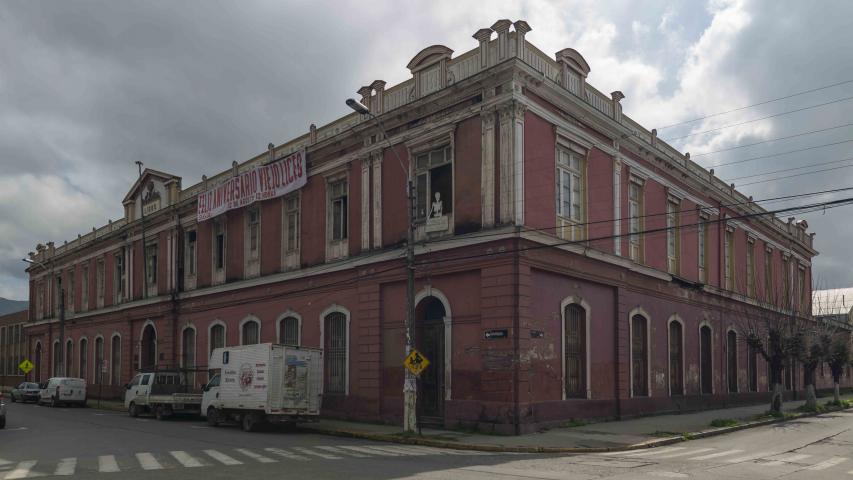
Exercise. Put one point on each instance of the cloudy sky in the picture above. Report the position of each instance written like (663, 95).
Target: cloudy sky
(89, 87)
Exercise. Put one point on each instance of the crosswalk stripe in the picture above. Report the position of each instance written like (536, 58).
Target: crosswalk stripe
(66, 466)
(306, 451)
(654, 451)
(285, 454)
(716, 455)
(147, 461)
(369, 451)
(790, 458)
(688, 452)
(108, 464)
(186, 459)
(751, 456)
(222, 458)
(255, 456)
(341, 451)
(827, 463)
(21, 470)
(402, 450)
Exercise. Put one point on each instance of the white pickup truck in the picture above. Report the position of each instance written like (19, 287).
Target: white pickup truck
(165, 393)
(263, 383)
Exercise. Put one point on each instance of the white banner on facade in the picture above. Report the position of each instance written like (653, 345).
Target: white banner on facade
(260, 183)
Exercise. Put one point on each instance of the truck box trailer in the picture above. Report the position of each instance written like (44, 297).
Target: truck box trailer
(263, 383)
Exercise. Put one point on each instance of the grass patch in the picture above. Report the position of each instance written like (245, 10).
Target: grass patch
(839, 404)
(724, 422)
(818, 408)
(574, 423)
(665, 434)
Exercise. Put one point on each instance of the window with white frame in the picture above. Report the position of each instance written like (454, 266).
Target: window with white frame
(702, 235)
(84, 288)
(289, 331)
(750, 267)
(99, 282)
(570, 194)
(635, 212)
(434, 183)
(252, 241)
(218, 251)
(251, 332)
(190, 253)
(290, 223)
(672, 236)
(729, 258)
(151, 268)
(119, 274)
(338, 200)
(217, 338)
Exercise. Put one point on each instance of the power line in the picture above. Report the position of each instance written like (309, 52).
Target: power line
(745, 160)
(797, 175)
(771, 140)
(790, 169)
(723, 127)
(756, 104)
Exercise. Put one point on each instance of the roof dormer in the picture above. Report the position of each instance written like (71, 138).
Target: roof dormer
(152, 191)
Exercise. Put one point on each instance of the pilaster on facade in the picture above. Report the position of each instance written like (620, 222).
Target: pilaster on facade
(512, 162)
(376, 161)
(365, 202)
(617, 206)
(487, 200)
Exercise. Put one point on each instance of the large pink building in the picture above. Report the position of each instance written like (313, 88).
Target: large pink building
(569, 263)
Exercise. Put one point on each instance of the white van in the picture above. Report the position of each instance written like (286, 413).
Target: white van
(63, 391)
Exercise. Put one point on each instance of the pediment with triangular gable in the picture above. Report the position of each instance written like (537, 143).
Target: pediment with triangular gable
(153, 191)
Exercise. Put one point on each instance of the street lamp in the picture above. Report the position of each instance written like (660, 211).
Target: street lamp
(59, 351)
(410, 386)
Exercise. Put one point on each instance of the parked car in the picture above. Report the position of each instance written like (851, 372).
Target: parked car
(27, 391)
(164, 393)
(63, 391)
(2, 411)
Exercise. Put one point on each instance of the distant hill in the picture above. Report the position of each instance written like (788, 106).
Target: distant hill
(11, 306)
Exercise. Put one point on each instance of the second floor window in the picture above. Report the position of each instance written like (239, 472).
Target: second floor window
(218, 246)
(253, 232)
(118, 277)
(672, 237)
(151, 265)
(99, 282)
(635, 211)
(84, 288)
(338, 214)
(190, 257)
(434, 183)
(291, 223)
(569, 192)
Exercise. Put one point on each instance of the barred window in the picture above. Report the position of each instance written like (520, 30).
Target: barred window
(731, 360)
(251, 333)
(289, 331)
(575, 344)
(335, 353)
(676, 358)
(188, 352)
(115, 360)
(99, 360)
(83, 364)
(639, 356)
(217, 338)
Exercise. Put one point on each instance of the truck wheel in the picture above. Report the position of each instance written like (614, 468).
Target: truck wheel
(249, 422)
(133, 410)
(162, 412)
(212, 417)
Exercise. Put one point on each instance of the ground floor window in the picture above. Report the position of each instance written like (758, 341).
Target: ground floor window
(676, 358)
(575, 345)
(639, 356)
(335, 355)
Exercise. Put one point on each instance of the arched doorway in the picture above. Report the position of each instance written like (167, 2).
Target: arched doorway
(38, 362)
(429, 340)
(148, 347)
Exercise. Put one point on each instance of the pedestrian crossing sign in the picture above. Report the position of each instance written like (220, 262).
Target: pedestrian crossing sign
(415, 362)
(26, 366)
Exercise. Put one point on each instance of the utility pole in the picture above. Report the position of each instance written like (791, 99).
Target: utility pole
(410, 384)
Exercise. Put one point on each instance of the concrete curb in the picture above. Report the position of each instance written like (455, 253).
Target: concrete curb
(383, 437)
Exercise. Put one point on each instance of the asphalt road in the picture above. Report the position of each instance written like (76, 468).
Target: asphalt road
(89, 443)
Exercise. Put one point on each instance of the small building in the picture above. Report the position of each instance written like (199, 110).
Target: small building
(569, 263)
(13, 347)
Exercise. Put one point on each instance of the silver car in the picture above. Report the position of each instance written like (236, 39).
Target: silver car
(2, 411)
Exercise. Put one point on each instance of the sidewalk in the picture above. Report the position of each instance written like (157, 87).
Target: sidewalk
(616, 435)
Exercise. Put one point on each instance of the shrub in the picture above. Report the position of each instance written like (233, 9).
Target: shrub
(724, 422)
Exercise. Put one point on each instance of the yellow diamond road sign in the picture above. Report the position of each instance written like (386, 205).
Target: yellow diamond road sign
(26, 366)
(416, 362)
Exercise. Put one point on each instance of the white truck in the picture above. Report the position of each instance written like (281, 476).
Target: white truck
(164, 393)
(263, 383)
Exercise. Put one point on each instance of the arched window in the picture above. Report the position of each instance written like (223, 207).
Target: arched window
(676, 358)
(639, 356)
(99, 361)
(56, 360)
(188, 352)
(575, 350)
(250, 333)
(115, 360)
(336, 352)
(83, 364)
(69, 357)
(731, 360)
(706, 364)
(217, 338)
(288, 329)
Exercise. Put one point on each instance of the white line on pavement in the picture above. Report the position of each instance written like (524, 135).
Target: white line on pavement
(147, 461)
(341, 451)
(186, 459)
(716, 455)
(21, 470)
(654, 451)
(783, 459)
(285, 454)
(221, 457)
(751, 456)
(827, 463)
(369, 451)
(66, 466)
(688, 452)
(327, 456)
(107, 463)
(400, 450)
(255, 456)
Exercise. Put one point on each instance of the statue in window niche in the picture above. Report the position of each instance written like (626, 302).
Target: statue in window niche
(437, 206)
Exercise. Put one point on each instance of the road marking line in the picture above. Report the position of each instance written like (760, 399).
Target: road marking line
(147, 461)
(327, 456)
(221, 457)
(341, 451)
(186, 459)
(107, 463)
(285, 454)
(401, 450)
(716, 455)
(751, 456)
(369, 451)
(790, 458)
(21, 470)
(655, 451)
(255, 456)
(66, 466)
(827, 463)
(688, 452)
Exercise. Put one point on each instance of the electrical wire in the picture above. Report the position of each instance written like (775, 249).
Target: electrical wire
(802, 134)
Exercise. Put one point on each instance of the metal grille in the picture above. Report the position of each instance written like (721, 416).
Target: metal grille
(575, 317)
(251, 333)
(335, 353)
(731, 351)
(115, 351)
(217, 338)
(289, 331)
(99, 359)
(705, 359)
(84, 357)
(676, 360)
(188, 352)
(639, 361)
